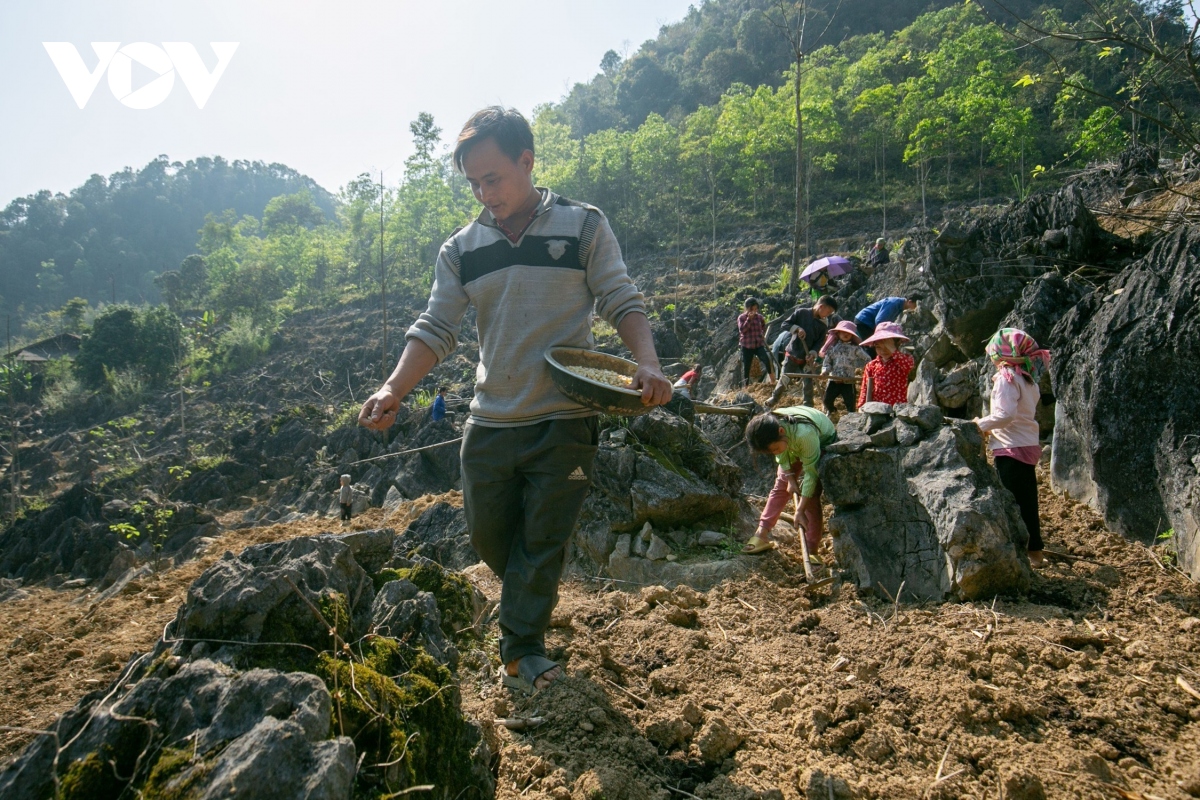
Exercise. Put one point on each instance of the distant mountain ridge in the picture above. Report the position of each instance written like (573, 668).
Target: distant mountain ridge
(721, 42)
(111, 236)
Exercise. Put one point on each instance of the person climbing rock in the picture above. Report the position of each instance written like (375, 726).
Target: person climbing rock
(888, 309)
(752, 329)
(534, 265)
(885, 377)
(795, 436)
(1010, 427)
(808, 327)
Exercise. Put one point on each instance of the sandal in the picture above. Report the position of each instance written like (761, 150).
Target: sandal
(529, 669)
(757, 544)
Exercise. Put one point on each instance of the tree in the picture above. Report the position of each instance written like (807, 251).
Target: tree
(159, 344)
(108, 345)
(290, 211)
(1154, 45)
(793, 24)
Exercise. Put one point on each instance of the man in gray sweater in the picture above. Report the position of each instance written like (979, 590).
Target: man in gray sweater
(534, 265)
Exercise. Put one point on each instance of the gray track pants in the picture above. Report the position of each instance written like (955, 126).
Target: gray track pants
(522, 492)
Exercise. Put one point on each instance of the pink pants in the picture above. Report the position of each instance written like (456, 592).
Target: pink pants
(814, 526)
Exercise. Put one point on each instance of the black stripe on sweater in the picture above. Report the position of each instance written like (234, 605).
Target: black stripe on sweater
(534, 251)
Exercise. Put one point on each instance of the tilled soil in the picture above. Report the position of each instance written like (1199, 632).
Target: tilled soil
(764, 688)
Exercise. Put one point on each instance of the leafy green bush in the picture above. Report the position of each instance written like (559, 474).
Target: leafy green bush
(243, 343)
(62, 388)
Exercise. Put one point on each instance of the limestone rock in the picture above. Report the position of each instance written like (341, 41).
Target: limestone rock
(236, 597)
(439, 534)
(393, 500)
(926, 417)
(853, 443)
(710, 539)
(402, 611)
(933, 516)
(658, 549)
(624, 541)
(1140, 470)
(266, 728)
(974, 275)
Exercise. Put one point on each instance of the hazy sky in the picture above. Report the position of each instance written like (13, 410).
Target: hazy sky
(327, 88)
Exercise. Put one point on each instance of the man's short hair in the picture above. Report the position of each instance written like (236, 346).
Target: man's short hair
(913, 298)
(507, 127)
(442, 389)
(827, 300)
(751, 302)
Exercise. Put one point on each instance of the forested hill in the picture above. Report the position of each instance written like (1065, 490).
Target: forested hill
(115, 235)
(693, 62)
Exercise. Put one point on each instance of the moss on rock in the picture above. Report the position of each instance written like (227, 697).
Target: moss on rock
(176, 775)
(453, 592)
(411, 722)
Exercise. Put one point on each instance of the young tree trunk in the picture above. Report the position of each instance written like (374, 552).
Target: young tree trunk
(794, 276)
(922, 178)
(883, 183)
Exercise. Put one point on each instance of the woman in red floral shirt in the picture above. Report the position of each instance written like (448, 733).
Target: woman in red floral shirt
(885, 378)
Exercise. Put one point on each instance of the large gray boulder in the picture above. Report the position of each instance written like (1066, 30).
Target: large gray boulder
(1127, 420)
(195, 719)
(204, 731)
(974, 271)
(930, 514)
(292, 591)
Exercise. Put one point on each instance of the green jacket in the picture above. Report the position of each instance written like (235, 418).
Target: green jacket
(811, 431)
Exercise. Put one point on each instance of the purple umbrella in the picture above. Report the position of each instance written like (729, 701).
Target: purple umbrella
(831, 265)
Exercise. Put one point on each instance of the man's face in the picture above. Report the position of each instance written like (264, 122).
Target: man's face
(822, 311)
(751, 309)
(501, 184)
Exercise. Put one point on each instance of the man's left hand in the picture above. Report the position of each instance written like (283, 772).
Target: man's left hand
(655, 388)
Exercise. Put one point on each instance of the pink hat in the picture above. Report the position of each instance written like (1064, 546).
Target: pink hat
(846, 326)
(885, 330)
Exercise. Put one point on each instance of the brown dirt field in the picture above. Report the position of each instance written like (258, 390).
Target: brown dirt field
(835, 695)
(1081, 685)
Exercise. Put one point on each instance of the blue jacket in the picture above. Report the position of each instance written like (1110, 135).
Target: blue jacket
(439, 408)
(886, 310)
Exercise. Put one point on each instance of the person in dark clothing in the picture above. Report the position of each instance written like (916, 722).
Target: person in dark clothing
(808, 327)
(438, 412)
(879, 254)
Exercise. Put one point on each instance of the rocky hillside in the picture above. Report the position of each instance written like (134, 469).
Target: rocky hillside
(190, 623)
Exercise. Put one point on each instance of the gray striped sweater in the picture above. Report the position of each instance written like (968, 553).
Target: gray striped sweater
(530, 296)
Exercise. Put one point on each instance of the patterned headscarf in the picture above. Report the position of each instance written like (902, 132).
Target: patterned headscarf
(1016, 349)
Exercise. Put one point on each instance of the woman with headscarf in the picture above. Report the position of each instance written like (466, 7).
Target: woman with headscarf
(1011, 426)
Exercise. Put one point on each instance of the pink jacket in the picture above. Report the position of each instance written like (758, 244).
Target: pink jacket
(1011, 421)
